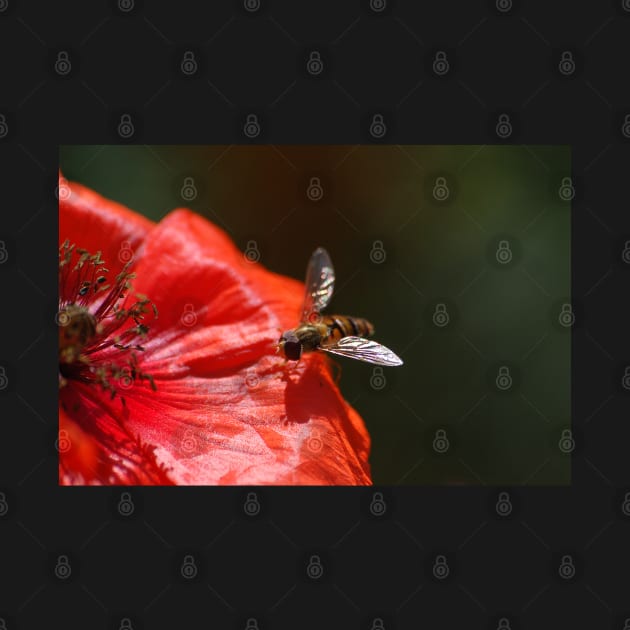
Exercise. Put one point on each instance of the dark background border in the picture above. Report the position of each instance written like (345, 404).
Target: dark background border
(503, 58)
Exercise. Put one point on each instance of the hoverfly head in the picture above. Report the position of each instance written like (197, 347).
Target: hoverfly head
(290, 345)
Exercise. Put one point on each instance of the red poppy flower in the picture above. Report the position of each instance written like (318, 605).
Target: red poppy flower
(168, 372)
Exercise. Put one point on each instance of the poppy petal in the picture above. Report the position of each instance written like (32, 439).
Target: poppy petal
(243, 428)
(96, 224)
(232, 416)
(227, 409)
(99, 448)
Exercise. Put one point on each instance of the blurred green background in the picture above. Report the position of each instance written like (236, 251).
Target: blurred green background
(479, 234)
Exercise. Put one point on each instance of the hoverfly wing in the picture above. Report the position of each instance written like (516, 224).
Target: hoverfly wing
(363, 350)
(320, 282)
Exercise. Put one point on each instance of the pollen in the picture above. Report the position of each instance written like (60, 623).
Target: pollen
(100, 326)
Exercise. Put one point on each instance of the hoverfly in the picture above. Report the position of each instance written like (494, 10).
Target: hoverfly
(337, 334)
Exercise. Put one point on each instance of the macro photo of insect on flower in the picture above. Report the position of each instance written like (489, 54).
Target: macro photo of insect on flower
(314, 315)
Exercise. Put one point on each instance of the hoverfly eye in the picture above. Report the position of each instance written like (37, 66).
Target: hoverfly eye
(293, 350)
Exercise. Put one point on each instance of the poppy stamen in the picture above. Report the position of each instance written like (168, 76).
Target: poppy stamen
(96, 343)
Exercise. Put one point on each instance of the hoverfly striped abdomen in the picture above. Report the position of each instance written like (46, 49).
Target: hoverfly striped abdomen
(340, 326)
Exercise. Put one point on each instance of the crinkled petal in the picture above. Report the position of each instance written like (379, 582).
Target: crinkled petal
(254, 426)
